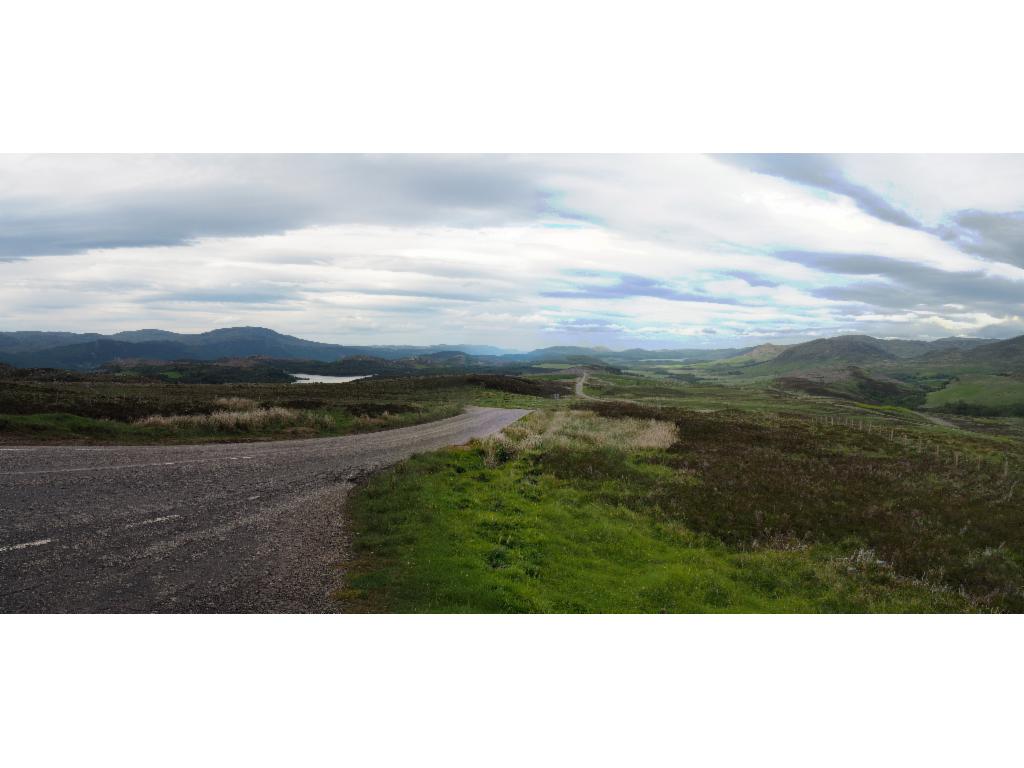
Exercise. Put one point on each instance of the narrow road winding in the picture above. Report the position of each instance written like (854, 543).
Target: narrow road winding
(230, 527)
(580, 383)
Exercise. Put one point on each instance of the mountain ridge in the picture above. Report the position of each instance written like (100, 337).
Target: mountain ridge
(88, 351)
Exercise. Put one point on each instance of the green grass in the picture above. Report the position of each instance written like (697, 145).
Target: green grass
(64, 427)
(445, 533)
(746, 512)
(979, 389)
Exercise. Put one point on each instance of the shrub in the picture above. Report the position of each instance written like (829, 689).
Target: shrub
(236, 403)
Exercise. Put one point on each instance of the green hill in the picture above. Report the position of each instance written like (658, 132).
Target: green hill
(759, 354)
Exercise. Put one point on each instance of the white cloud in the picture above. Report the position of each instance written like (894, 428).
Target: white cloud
(512, 251)
(930, 187)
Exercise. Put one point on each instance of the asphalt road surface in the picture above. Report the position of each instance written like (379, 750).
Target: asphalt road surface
(230, 527)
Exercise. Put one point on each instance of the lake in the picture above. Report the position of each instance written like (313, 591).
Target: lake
(309, 378)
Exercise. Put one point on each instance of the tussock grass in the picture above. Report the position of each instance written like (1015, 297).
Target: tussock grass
(575, 430)
(240, 421)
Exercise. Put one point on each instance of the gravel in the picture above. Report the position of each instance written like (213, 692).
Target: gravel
(225, 528)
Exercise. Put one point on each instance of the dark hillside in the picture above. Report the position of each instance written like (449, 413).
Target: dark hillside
(1008, 353)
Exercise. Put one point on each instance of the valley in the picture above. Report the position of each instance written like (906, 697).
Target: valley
(846, 474)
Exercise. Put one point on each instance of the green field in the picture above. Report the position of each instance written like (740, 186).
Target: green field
(980, 390)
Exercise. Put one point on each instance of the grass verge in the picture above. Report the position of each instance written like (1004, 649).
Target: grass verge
(580, 513)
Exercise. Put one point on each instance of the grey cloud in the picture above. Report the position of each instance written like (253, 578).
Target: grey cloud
(421, 294)
(750, 278)
(1003, 330)
(590, 326)
(821, 172)
(853, 263)
(997, 236)
(145, 219)
(874, 294)
(991, 235)
(908, 285)
(218, 296)
(627, 286)
(264, 194)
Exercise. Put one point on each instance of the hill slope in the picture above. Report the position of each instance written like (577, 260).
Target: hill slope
(1007, 354)
(759, 354)
(820, 354)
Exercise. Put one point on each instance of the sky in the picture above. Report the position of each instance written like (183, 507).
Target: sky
(517, 251)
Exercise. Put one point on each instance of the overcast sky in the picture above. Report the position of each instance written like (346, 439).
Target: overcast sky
(517, 251)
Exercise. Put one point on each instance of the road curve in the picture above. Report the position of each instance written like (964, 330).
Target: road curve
(580, 383)
(228, 527)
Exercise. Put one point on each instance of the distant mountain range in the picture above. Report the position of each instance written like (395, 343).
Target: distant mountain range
(89, 351)
(38, 349)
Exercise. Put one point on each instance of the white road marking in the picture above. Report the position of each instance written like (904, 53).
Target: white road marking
(37, 543)
(82, 469)
(152, 520)
(122, 466)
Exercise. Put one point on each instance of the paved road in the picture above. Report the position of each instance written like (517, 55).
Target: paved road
(239, 527)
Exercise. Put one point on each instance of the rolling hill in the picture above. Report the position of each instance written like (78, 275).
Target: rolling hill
(854, 383)
(826, 353)
(1007, 354)
(759, 354)
(845, 351)
(88, 351)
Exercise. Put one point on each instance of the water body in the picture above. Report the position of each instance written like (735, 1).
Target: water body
(309, 378)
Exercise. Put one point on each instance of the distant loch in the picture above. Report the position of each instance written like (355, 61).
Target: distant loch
(308, 378)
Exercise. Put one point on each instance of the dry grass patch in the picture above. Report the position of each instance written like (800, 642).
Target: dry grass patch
(554, 430)
(240, 421)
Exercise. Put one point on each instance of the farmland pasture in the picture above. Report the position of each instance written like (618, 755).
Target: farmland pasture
(984, 390)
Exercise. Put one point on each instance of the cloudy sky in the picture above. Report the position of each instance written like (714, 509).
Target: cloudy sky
(517, 251)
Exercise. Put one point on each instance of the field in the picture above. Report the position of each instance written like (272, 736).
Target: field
(980, 393)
